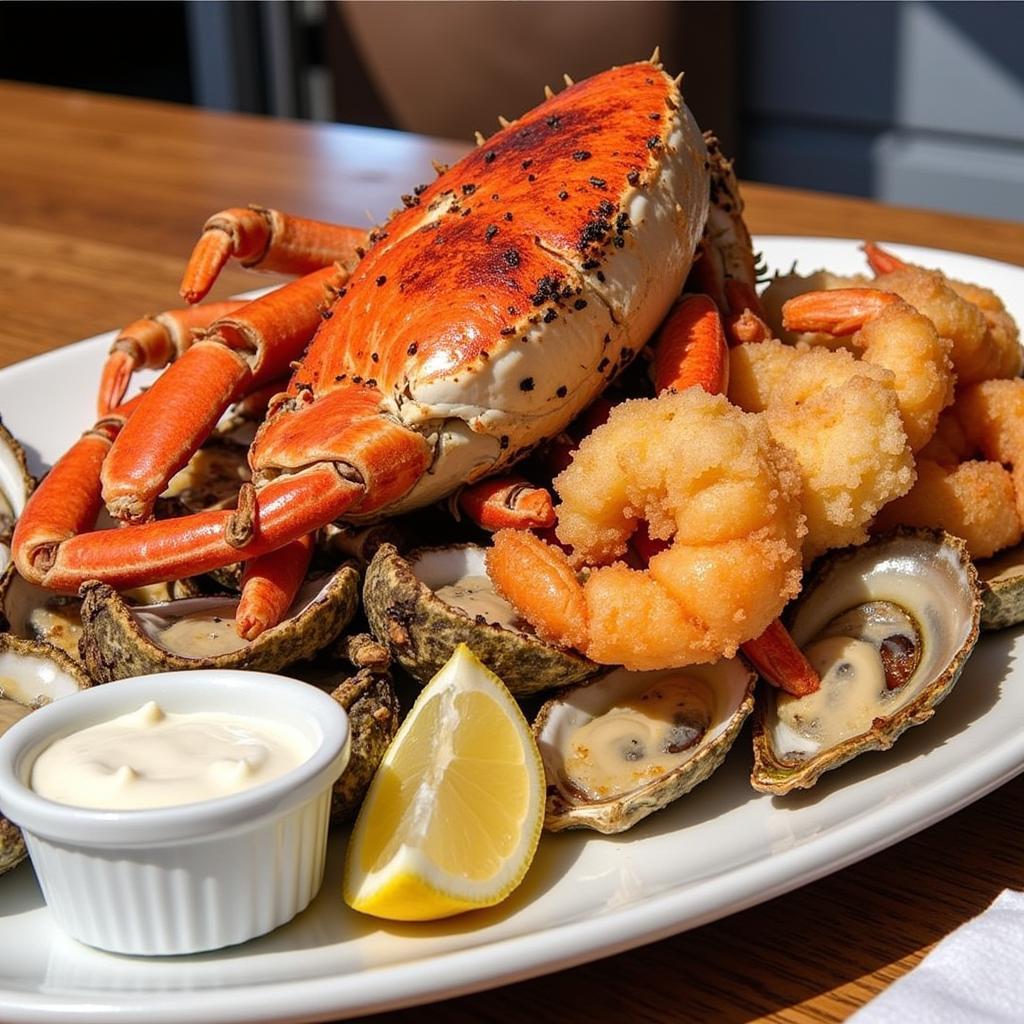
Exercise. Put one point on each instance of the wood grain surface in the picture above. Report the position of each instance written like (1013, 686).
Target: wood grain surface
(100, 201)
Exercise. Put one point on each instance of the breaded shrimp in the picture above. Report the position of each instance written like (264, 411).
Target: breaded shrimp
(889, 333)
(981, 501)
(973, 500)
(986, 341)
(700, 473)
(991, 416)
(839, 417)
(783, 287)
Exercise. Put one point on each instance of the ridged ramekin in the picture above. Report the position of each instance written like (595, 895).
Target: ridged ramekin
(195, 876)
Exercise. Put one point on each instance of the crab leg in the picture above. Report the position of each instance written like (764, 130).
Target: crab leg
(690, 348)
(269, 585)
(507, 502)
(68, 499)
(336, 456)
(263, 239)
(48, 554)
(253, 346)
(151, 343)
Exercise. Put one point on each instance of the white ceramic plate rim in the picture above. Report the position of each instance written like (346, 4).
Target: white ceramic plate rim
(571, 938)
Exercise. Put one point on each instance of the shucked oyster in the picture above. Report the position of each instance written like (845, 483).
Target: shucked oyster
(199, 632)
(630, 743)
(888, 626)
(31, 675)
(423, 606)
(33, 613)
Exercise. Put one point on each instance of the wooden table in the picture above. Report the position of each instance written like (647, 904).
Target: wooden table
(101, 199)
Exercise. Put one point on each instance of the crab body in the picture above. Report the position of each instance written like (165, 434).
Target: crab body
(497, 306)
(483, 318)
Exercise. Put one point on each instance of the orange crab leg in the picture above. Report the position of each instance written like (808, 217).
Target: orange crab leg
(153, 342)
(507, 502)
(744, 321)
(881, 260)
(68, 499)
(285, 509)
(269, 585)
(838, 312)
(263, 239)
(690, 348)
(254, 345)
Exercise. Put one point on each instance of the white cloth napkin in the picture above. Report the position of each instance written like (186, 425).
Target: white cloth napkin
(973, 976)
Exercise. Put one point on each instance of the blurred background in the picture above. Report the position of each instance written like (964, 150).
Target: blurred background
(915, 103)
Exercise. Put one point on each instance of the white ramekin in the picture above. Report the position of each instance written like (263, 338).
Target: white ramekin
(187, 878)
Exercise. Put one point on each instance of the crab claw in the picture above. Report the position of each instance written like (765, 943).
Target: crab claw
(507, 502)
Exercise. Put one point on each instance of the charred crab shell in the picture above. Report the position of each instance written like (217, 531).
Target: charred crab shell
(731, 686)
(422, 631)
(32, 674)
(929, 576)
(116, 643)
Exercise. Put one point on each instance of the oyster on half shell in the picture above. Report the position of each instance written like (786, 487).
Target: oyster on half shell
(31, 675)
(33, 613)
(422, 606)
(629, 743)
(199, 632)
(888, 626)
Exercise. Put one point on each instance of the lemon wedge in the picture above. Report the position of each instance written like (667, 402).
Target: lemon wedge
(453, 816)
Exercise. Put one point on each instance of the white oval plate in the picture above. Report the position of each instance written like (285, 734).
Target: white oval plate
(719, 850)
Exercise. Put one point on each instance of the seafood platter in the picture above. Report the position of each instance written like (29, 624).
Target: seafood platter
(713, 527)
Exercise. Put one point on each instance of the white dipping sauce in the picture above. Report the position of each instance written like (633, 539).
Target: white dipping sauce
(152, 758)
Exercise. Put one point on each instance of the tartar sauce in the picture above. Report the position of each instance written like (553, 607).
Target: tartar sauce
(152, 758)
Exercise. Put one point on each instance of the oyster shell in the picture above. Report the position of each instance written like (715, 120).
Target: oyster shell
(33, 613)
(889, 627)
(198, 632)
(373, 712)
(422, 606)
(16, 484)
(629, 743)
(31, 675)
(1002, 588)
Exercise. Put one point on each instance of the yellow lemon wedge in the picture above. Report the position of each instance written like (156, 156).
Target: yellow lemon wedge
(453, 816)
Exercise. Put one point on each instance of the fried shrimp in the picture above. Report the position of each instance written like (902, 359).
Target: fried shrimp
(979, 499)
(986, 341)
(701, 474)
(890, 333)
(973, 500)
(839, 417)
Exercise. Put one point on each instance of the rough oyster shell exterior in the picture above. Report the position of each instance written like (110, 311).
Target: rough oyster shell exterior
(115, 645)
(422, 631)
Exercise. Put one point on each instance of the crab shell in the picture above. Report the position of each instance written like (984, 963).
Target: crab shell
(501, 301)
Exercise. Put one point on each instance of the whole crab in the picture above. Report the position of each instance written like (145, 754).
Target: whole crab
(478, 322)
